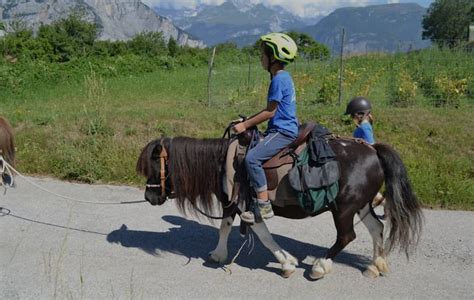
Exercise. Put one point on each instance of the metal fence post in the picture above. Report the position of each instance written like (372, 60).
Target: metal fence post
(211, 63)
(341, 68)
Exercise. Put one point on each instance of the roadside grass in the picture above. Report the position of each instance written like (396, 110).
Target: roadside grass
(92, 129)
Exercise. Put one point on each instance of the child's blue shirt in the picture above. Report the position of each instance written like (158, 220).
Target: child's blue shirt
(365, 132)
(282, 90)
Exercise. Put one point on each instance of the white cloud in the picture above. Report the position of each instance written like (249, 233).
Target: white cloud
(306, 8)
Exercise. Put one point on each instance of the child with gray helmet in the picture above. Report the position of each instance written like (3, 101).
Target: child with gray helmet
(360, 110)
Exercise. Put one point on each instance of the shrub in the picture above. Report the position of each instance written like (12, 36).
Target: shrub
(449, 90)
(329, 91)
(402, 89)
(148, 44)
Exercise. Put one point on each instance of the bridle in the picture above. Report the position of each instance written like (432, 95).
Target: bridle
(163, 177)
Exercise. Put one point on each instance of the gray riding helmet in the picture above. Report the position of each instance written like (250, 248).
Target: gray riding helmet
(358, 105)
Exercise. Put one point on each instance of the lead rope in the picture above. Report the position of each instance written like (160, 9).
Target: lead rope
(250, 238)
(8, 169)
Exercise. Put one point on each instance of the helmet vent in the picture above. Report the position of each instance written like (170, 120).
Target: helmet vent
(286, 51)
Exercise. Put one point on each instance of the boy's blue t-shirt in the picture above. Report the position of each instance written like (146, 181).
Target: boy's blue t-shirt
(282, 90)
(365, 132)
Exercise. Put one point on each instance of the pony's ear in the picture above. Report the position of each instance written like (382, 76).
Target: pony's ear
(143, 166)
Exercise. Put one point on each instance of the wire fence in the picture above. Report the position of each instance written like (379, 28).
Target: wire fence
(436, 76)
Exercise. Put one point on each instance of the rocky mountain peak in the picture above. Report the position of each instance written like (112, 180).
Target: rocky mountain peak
(115, 19)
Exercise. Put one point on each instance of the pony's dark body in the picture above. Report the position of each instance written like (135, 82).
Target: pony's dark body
(355, 173)
(196, 168)
(7, 143)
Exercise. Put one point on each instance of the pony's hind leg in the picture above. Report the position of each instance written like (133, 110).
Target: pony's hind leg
(288, 262)
(219, 255)
(345, 234)
(375, 227)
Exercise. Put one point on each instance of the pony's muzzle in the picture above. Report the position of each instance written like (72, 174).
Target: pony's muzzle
(153, 197)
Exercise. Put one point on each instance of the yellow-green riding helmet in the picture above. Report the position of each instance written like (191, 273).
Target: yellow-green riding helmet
(283, 46)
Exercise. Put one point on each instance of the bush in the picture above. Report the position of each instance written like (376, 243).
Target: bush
(449, 91)
(148, 44)
(402, 89)
(329, 91)
(68, 38)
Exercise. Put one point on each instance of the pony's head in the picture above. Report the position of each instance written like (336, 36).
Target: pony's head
(153, 165)
(187, 170)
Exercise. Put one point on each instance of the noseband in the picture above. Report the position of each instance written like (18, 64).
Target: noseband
(163, 177)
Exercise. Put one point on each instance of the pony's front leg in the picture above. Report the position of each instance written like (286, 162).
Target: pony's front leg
(219, 255)
(288, 261)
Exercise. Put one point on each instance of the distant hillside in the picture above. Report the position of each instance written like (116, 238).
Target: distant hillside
(116, 19)
(384, 28)
(240, 21)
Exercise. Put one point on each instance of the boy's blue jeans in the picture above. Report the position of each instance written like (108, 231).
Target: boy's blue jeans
(263, 151)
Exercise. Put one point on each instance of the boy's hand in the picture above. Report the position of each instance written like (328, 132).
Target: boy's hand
(239, 127)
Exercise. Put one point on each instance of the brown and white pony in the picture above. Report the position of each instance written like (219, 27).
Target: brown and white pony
(7, 142)
(193, 170)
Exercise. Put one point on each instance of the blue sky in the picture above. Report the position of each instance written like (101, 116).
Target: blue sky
(299, 7)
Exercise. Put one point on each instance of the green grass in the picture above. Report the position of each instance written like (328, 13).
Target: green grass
(92, 130)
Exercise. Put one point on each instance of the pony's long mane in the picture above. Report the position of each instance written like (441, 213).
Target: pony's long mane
(7, 141)
(196, 167)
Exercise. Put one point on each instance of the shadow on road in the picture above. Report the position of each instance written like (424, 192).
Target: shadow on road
(194, 240)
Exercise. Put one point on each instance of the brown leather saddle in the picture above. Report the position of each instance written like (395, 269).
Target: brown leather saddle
(283, 157)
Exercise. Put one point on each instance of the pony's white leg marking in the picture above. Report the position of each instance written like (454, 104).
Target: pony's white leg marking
(288, 261)
(320, 268)
(375, 227)
(219, 255)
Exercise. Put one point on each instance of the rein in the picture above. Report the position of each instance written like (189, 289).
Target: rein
(236, 209)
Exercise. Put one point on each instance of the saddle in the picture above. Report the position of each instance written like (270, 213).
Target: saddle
(235, 170)
(285, 155)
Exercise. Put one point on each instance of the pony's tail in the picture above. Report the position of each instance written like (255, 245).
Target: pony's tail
(404, 211)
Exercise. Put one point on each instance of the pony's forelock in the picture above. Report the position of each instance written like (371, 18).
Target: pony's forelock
(144, 167)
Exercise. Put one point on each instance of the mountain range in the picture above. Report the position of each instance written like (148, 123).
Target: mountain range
(385, 28)
(115, 19)
(238, 21)
(382, 28)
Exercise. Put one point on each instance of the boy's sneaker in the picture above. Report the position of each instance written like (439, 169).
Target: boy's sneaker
(265, 210)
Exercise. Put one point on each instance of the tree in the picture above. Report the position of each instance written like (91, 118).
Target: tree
(172, 47)
(447, 21)
(68, 37)
(308, 47)
(148, 43)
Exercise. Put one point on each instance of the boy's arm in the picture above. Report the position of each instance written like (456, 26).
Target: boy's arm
(258, 118)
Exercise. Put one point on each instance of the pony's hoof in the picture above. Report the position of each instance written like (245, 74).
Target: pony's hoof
(215, 259)
(317, 273)
(320, 268)
(287, 270)
(287, 273)
(371, 272)
(381, 265)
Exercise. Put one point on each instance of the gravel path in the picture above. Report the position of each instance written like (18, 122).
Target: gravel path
(54, 248)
